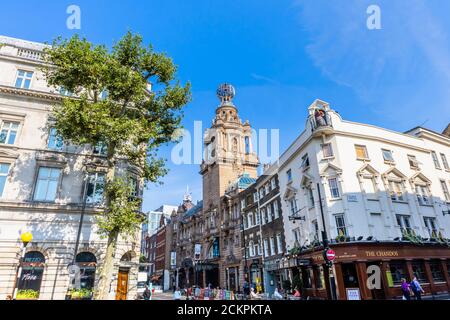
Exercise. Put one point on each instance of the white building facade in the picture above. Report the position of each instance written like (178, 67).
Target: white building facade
(377, 186)
(42, 186)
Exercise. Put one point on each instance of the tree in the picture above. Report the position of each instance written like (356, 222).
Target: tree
(113, 106)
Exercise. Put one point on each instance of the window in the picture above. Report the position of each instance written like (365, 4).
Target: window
(422, 195)
(273, 183)
(4, 170)
(268, 188)
(245, 222)
(305, 162)
(445, 162)
(334, 188)
(100, 149)
(387, 155)
(397, 269)
(23, 80)
(9, 132)
(251, 249)
(95, 188)
(276, 210)
(289, 175)
(266, 248)
(396, 190)
(340, 225)
(256, 249)
(55, 142)
(269, 212)
(369, 187)
(361, 152)
(47, 184)
(413, 163)
(243, 203)
(258, 218)
(310, 197)
(32, 272)
(264, 215)
(87, 263)
(134, 187)
(445, 190)
(64, 92)
(279, 243)
(315, 227)
(250, 220)
(430, 224)
(436, 270)
(247, 145)
(272, 246)
(293, 206)
(435, 160)
(296, 233)
(404, 223)
(327, 150)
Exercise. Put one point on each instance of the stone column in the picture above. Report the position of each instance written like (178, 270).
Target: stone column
(361, 270)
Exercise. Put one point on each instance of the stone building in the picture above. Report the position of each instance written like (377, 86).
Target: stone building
(385, 202)
(42, 186)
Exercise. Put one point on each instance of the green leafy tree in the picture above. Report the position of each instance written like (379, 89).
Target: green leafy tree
(112, 105)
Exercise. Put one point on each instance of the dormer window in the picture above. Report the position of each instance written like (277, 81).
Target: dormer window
(305, 162)
(327, 151)
(289, 175)
(361, 152)
(396, 190)
(387, 155)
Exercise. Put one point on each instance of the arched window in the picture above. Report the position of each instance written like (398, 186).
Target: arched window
(87, 263)
(235, 145)
(31, 276)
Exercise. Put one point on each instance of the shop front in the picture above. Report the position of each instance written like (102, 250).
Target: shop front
(369, 271)
(272, 276)
(255, 274)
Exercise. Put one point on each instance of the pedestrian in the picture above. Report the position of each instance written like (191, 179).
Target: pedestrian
(254, 295)
(188, 293)
(246, 289)
(177, 294)
(197, 291)
(416, 288)
(406, 290)
(147, 293)
(297, 294)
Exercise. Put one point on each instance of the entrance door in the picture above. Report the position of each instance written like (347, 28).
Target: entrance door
(122, 285)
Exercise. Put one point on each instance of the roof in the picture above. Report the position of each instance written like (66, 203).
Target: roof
(245, 181)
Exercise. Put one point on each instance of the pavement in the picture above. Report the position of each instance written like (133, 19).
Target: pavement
(164, 296)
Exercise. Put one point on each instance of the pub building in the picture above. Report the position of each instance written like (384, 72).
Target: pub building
(430, 263)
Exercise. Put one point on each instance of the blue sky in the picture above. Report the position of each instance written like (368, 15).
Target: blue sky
(280, 55)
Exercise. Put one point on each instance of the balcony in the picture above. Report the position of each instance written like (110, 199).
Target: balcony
(321, 123)
(30, 54)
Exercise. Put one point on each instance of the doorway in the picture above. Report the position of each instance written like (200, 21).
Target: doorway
(122, 285)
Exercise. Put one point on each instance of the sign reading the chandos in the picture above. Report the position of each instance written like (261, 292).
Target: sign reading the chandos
(381, 253)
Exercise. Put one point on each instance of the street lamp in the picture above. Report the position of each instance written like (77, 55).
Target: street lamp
(26, 238)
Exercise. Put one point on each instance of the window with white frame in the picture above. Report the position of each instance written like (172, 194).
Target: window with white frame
(23, 79)
(258, 218)
(269, 212)
(422, 195)
(251, 248)
(444, 162)
(95, 188)
(340, 225)
(327, 150)
(413, 163)
(437, 165)
(296, 233)
(276, 209)
(289, 175)
(266, 248)
(387, 155)
(273, 183)
(262, 193)
(47, 184)
(255, 197)
(315, 228)
(256, 249)
(403, 221)
(9, 131)
(4, 171)
(430, 224)
(268, 188)
(272, 246)
(334, 188)
(279, 243)
(396, 190)
(305, 162)
(243, 203)
(445, 190)
(55, 141)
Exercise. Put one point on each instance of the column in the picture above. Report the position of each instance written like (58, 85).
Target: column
(446, 276)
(409, 270)
(339, 280)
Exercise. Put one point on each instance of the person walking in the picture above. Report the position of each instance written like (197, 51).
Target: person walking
(177, 294)
(277, 295)
(416, 288)
(406, 290)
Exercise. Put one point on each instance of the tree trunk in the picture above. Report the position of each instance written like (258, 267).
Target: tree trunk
(106, 272)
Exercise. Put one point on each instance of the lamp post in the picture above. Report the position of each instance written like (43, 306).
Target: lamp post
(26, 238)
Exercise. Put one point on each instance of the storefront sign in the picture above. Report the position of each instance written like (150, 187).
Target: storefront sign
(303, 262)
(353, 294)
(352, 198)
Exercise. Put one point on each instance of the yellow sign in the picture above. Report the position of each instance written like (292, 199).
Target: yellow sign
(389, 279)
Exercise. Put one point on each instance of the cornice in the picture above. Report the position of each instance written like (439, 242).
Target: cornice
(31, 93)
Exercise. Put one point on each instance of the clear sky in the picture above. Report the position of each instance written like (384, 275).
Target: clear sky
(280, 55)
